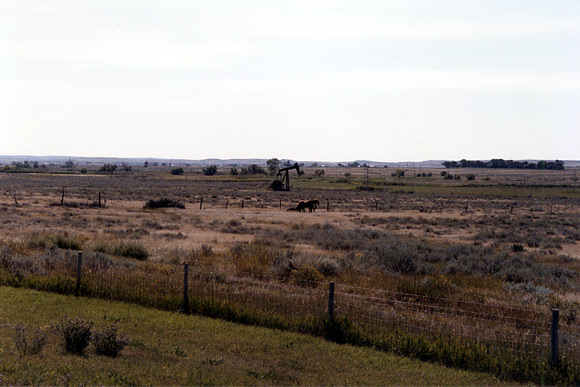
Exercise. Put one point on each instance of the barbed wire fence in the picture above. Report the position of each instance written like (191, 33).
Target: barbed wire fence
(533, 332)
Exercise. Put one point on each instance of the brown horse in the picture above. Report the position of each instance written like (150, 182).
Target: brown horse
(301, 207)
(312, 204)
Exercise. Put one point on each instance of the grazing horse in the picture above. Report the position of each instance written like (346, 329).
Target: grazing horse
(301, 207)
(312, 204)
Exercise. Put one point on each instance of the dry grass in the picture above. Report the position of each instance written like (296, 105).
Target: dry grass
(394, 237)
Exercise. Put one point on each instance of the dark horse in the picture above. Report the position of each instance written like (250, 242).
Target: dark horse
(303, 205)
(312, 204)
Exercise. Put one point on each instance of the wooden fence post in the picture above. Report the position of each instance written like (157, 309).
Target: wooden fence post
(331, 299)
(200, 203)
(280, 203)
(242, 204)
(79, 271)
(185, 288)
(327, 205)
(99, 200)
(62, 197)
(554, 356)
(228, 202)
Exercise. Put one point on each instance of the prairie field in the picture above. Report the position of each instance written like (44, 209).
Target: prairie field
(460, 266)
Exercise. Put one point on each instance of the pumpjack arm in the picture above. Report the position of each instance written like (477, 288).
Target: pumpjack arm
(282, 182)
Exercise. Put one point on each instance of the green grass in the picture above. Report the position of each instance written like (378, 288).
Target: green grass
(172, 349)
(502, 191)
(434, 186)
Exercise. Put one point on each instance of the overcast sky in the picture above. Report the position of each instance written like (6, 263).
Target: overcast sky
(385, 80)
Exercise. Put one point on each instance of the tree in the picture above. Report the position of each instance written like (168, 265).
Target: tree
(253, 169)
(210, 170)
(177, 171)
(398, 173)
(234, 171)
(109, 168)
(273, 165)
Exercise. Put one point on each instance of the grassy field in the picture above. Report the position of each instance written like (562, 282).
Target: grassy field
(172, 349)
(508, 239)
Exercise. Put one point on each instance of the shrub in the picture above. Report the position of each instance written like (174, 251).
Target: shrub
(63, 241)
(210, 170)
(233, 171)
(107, 342)
(400, 261)
(326, 266)
(177, 171)
(131, 249)
(164, 203)
(76, 335)
(28, 343)
(306, 275)
(252, 258)
(470, 176)
(204, 250)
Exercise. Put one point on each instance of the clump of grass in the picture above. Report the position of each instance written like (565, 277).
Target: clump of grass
(128, 249)
(14, 246)
(131, 249)
(107, 342)
(60, 240)
(429, 286)
(28, 343)
(324, 265)
(64, 241)
(76, 335)
(252, 258)
(163, 203)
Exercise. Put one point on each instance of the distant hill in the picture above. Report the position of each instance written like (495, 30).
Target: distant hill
(6, 159)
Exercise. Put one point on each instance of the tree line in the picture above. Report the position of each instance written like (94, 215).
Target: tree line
(505, 164)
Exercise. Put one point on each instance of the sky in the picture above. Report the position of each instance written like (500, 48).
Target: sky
(328, 80)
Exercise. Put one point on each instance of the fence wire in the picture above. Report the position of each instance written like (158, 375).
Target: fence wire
(504, 327)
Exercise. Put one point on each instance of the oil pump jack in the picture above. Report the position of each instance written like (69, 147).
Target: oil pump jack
(282, 182)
